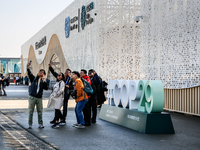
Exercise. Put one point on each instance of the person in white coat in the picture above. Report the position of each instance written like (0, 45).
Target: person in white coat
(56, 99)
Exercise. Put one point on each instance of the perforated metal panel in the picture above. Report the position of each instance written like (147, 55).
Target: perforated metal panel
(119, 39)
(171, 42)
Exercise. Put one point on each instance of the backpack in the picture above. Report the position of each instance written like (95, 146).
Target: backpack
(104, 86)
(87, 87)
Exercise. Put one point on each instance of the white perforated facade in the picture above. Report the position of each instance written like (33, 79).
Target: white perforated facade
(80, 49)
(171, 42)
(110, 45)
(164, 45)
(119, 39)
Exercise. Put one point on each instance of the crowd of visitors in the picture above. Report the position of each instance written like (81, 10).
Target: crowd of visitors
(87, 88)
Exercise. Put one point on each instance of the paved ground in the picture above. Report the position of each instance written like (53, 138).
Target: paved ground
(8, 143)
(17, 98)
(105, 135)
(20, 92)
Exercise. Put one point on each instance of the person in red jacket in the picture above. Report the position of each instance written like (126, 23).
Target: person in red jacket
(86, 112)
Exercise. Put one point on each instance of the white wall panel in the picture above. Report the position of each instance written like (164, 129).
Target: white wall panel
(170, 42)
(80, 49)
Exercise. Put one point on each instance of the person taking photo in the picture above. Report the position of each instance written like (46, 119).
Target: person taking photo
(38, 83)
(56, 99)
(68, 87)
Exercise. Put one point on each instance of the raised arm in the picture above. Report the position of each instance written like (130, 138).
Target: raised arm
(30, 75)
(55, 74)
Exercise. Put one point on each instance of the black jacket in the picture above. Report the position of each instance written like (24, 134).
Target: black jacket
(96, 80)
(33, 86)
(100, 92)
(94, 95)
(69, 83)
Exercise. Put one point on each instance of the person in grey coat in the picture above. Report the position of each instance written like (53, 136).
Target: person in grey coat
(56, 99)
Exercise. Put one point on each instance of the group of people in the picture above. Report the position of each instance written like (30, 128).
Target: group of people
(17, 80)
(68, 84)
(21, 80)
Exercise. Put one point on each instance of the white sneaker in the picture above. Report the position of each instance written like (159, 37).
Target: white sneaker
(80, 126)
(76, 124)
(41, 126)
(62, 123)
(55, 126)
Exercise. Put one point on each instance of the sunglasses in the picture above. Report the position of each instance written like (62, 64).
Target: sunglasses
(59, 75)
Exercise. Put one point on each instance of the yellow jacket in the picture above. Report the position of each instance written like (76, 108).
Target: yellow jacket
(79, 89)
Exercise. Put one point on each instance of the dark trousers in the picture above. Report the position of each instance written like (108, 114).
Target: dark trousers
(65, 105)
(17, 82)
(86, 113)
(58, 114)
(93, 105)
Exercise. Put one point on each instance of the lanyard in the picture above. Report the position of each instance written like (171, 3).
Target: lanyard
(67, 80)
(38, 85)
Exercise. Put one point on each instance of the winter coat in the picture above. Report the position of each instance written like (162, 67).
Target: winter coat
(94, 95)
(68, 82)
(79, 88)
(100, 92)
(56, 97)
(34, 83)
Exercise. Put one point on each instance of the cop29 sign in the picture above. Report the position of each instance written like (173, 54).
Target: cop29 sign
(143, 95)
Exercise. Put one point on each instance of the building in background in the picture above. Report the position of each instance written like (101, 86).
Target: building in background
(89, 34)
(103, 34)
(10, 66)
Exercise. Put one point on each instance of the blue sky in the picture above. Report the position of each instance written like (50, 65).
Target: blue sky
(21, 19)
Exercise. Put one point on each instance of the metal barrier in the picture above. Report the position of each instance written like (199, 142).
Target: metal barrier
(183, 100)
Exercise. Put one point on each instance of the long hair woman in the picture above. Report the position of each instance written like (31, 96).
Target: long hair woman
(56, 99)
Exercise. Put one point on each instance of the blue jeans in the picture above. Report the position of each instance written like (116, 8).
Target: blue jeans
(78, 110)
(3, 88)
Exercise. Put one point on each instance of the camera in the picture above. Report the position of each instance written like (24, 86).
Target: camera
(137, 18)
(73, 94)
